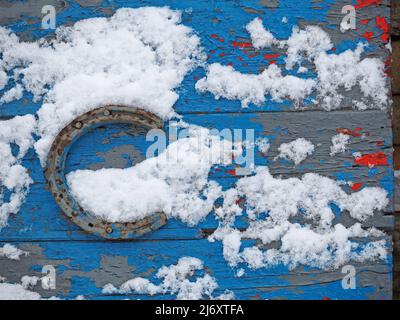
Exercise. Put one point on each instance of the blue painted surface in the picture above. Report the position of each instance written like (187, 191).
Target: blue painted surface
(40, 220)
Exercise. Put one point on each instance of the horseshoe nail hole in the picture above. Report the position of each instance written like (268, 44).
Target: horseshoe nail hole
(109, 230)
(78, 125)
(90, 225)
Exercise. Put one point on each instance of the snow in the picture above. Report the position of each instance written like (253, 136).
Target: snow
(308, 43)
(15, 93)
(11, 252)
(10, 291)
(176, 280)
(263, 145)
(226, 82)
(339, 143)
(317, 241)
(297, 150)
(13, 176)
(3, 79)
(335, 73)
(260, 37)
(175, 182)
(29, 282)
(137, 58)
(346, 70)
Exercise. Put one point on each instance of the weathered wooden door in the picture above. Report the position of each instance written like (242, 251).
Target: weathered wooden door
(84, 263)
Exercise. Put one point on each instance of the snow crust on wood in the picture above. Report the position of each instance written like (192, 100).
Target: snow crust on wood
(176, 182)
(274, 204)
(11, 291)
(179, 279)
(334, 73)
(339, 143)
(137, 57)
(297, 150)
(13, 176)
(11, 252)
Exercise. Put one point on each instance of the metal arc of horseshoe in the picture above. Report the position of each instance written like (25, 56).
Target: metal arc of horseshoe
(54, 172)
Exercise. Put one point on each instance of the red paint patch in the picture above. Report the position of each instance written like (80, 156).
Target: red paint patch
(240, 58)
(334, 49)
(215, 36)
(348, 132)
(379, 143)
(231, 172)
(365, 3)
(272, 61)
(368, 35)
(356, 186)
(373, 159)
(222, 54)
(230, 64)
(253, 55)
(326, 298)
(383, 25)
(241, 44)
(364, 21)
(272, 55)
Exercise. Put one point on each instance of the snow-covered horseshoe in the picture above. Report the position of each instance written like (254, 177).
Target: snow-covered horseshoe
(54, 172)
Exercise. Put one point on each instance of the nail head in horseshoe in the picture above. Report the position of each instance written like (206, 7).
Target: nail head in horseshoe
(55, 165)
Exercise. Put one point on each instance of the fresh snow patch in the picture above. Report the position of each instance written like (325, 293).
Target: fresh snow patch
(3, 79)
(175, 182)
(346, 70)
(296, 151)
(11, 252)
(15, 93)
(260, 37)
(9, 291)
(28, 282)
(137, 57)
(263, 145)
(317, 241)
(339, 143)
(226, 82)
(176, 280)
(306, 44)
(13, 176)
(335, 73)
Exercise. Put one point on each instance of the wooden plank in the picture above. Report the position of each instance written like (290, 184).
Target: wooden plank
(83, 268)
(217, 21)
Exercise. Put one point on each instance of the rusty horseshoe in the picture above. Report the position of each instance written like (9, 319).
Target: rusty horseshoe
(54, 172)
